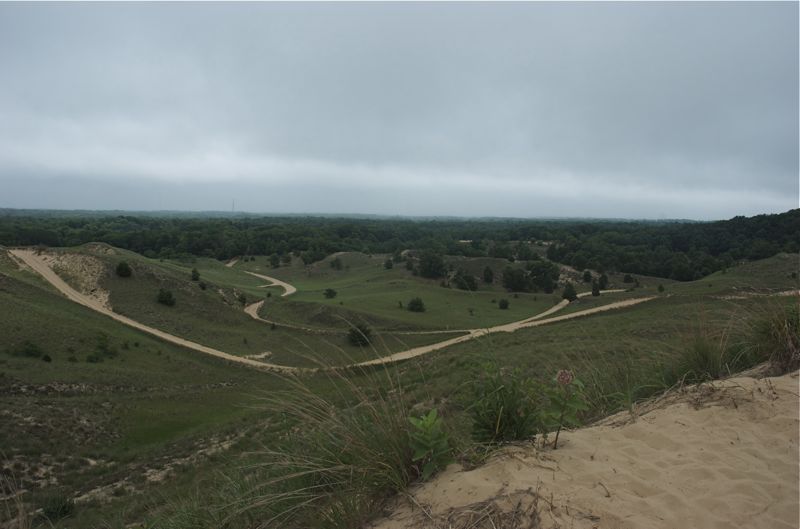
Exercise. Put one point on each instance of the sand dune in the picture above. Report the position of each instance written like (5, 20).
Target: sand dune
(719, 455)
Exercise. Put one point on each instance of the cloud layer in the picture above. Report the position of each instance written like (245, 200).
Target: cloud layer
(569, 109)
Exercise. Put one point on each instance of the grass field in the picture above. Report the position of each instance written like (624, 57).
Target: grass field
(134, 426)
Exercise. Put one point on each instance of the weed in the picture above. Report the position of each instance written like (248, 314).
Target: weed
(506, 407)
(430, 444)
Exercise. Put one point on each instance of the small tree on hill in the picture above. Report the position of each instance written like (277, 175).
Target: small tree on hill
(416, 305)
(165, 297)
(587, 276)
(124, 269)
(274, 260)
(569, 293)
(195, 275)
(360, 335)
(336, 264)
(431, 265)
(661, 288)
(595, 288)
(503, 304)
(330, 293)
(388, 264)
(488, 275)
(627, 279)
(603, 282)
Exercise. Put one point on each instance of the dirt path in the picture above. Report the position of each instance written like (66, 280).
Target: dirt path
(288, 289)
(39, 265)
(232, 262)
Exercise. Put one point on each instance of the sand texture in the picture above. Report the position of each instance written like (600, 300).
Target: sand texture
(714, 456)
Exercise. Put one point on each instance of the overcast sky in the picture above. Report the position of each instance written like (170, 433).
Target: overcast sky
(680, 110)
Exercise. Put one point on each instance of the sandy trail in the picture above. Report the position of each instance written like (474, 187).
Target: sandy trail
(232, 262)
(717, 455)
(39, 265)
(288, 289)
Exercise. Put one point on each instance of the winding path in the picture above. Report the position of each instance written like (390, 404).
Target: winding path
(37, 264)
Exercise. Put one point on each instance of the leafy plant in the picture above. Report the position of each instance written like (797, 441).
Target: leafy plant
(360, 335)
(430, 444)
(329, 293)
(124, 269)
(506, 407)
(503, 304)
(165, 297)
(416, 305)
(564, 400)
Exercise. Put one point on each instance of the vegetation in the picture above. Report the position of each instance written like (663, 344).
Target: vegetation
(502, 304)
(430, 444)
(195, 275)
(124, 269)
(359, 335)
(416, 305)
(569, 292)
(488, 276)
(166, 297)
(329, 293)
(506, 407)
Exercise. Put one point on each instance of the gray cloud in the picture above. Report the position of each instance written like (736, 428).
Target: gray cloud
(634, 109)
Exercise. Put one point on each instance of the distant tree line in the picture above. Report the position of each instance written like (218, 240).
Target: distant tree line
(673, 249)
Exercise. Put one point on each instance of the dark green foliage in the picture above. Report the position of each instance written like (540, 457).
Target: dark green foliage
(503, 304)
(123, 269)
(312, 256)
(195, 275)
(569, 293)
(409, 264)
(388, 264)
(329, 293)
(627, 279)
(336, 263)
(516, 280)
(202, 285)
(27, 349)
(165, 297)
(603, 282)
(431, 265)
(465, 281)
(430, 444)
(587, 276)
(416, 305)
(47, 358)
(274, 260)
(661, 288)
(488, 275)
(595, 288)
(57, 506)
(505, 408)
(242, 299)
(359, 335)
(565, 399)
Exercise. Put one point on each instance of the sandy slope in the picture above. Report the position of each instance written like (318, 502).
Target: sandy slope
(720, 455)
(288, 289)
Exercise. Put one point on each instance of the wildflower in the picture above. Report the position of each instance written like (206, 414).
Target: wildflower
(565, 377)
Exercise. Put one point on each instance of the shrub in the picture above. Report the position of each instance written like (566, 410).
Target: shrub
(28, 349)
(329, 293)
(488, 275)
(603, 282)
(274, 261)
(430, 444)
(569, 293)
(774, 335)
(202, 285)
(416, 305)
(503, 304)
(661, 288)
(627, 279)
(47, 358)
(165, 297)
(195, 275)
(124, 269)
(431, 265)
(242, 299)
(336, 263)
(465, 281)
(388, 264)
(57, 506)
(587, 276)
(595, 288)
(505, 408)
(359, 335)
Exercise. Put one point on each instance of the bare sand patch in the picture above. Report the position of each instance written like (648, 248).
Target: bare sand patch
(717, 455)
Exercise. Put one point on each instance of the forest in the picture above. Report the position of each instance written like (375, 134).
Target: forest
(682, 250)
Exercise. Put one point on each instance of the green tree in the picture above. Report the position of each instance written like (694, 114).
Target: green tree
(569, 293)
(503, 304)
(627, 279)
(336, 264)
(274, 260)
(195, 275)
(587, 276)
(165, 297)
(661, 288)
(603, 282)
(416, 305)
(329, 293)
(465, 281)
(515, 280)
(124, 269)
(360, 335)
(431, 265)
(595, 288)
(488, 275)
(388, 264)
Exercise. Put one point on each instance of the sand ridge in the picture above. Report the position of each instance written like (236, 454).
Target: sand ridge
(717, 455)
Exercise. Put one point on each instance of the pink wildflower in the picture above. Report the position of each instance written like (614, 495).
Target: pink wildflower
(565, 377)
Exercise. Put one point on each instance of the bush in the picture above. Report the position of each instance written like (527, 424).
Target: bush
(388, 264)
(47, 358)
(416, 305)
(627, 279)
(165, 297)
(603, 282)
(195, 275)
(587, 276)
(28, 349)
(661, 288)
(360, 335)
(202, 285)
(569, 293)
(465, 281)
(57, 506)
(124, 269)
(505, 409)
(431, 265)
(595, 289)
(242, 299)
(430, 444)
(774, 335)
(503, 304)
(488, 275)
(329, 293)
